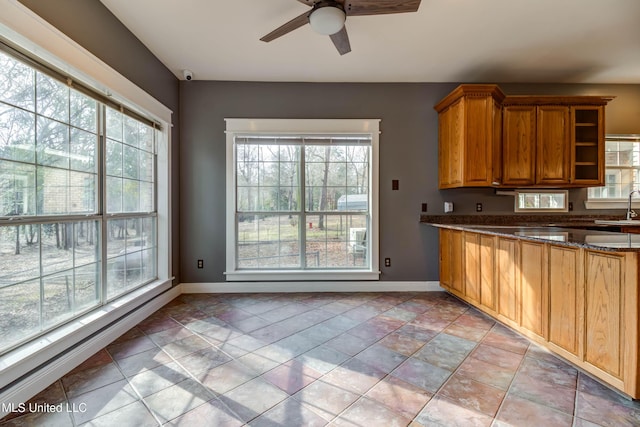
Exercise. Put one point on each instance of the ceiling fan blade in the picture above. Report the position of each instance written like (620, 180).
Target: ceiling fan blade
(379, 7)
(308, 2)
(341, 41)
(294, 24)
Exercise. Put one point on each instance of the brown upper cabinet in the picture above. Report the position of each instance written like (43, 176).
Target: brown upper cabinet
(536, 141)
(469, 133)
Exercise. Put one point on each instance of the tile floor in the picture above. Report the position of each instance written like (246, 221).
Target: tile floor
(352, 359)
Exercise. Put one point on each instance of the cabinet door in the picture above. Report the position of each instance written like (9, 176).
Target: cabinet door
(445, 258)
(451, 258)
(457, 259)
(444, 149)
(451, 140)
(479, 118)
(508, 275)
(472, 267)
(604, 312)
(566, 298)
(553, 150)
(487, 272)
(534, 291)
(519, 145)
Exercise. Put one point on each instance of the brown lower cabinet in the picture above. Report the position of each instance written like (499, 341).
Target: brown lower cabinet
(580, 303)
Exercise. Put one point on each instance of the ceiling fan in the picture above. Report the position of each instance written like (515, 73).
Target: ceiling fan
(327, 17)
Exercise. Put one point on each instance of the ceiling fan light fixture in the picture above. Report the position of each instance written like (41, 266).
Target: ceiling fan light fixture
(327, 20)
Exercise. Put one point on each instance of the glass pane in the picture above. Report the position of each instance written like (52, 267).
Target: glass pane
(146, 197)
(114, 158)
(131, 134)
(17, 83)
(86, 290)
(130, 251)
(114, 195)
(146, 138)
(358, 176)
(82, 192)
(86, 248)
(83, 150)
(17, 134)
(268, 241)
(148, 265)
(289, 174)
(20, 305)
(288, 199)
(52, 143)
(131, 162)
(146, 166)
(131, 195)
(247, 173)
(268, 153)
(57, 247)
(336, 241)
(53, 191)
(19, 253)
(83, 111)
(114, 124)
(52, 98)
(57, 304)
(268, 173)
(17, 189)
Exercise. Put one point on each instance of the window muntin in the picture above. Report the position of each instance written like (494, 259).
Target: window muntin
(280, 227)
(55, 269)
(622, 173)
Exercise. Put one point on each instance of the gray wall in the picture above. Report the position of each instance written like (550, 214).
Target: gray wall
(90, 24)
(408, 144)
(408, 152)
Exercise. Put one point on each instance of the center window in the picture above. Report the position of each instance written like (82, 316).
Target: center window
(303, 202)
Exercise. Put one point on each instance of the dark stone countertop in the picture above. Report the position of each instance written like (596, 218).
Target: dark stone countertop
(575, 237)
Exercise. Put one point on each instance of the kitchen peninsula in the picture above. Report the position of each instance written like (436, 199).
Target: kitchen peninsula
(572, 289)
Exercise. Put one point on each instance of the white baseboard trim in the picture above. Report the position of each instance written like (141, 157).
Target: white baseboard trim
(46, 375)
(269, 287)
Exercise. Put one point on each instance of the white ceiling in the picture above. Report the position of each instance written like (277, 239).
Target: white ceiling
(560, 41)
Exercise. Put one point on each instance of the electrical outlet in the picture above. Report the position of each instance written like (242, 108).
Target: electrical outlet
(387, 262)
(424, 207)
(448, 207)
(478, 207)
(200, 263)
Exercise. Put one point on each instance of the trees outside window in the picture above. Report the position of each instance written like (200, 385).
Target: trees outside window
(303, 201)
(60, 254)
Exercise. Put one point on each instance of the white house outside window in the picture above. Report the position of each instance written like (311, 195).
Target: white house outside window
(302, 199)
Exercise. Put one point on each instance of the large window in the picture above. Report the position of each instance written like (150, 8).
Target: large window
(301, 200)
(622, 174)
(77, 204)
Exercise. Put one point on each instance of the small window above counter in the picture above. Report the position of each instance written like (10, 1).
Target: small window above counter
(488, 139)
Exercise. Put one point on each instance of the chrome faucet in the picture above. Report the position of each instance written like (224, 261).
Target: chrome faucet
(630, 212)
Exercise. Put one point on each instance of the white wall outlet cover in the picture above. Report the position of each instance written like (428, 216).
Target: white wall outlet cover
(448, 207)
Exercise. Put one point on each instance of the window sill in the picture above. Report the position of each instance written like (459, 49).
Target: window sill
(281, 275)
(610, 204)
(40, 350)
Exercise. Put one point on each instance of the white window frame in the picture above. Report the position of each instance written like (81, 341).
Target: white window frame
(301, 126)
(34, 35)
(617, 203)
(563, 208)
